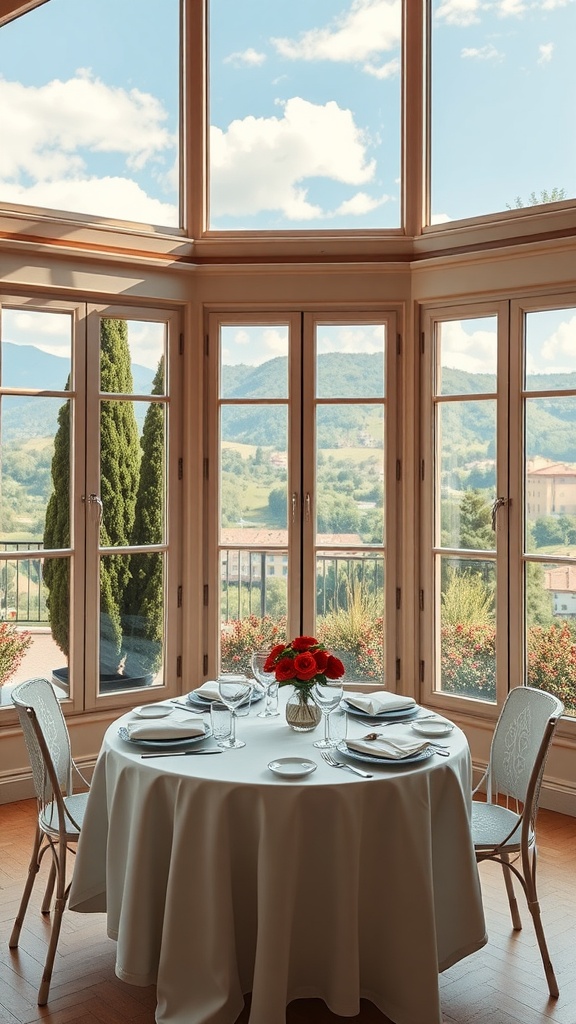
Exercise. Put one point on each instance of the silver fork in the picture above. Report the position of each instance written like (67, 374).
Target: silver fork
(331, 760)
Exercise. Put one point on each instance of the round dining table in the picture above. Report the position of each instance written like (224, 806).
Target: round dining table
(221, 878)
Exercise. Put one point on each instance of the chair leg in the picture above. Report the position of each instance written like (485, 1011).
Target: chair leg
(49, 889)
(514, 911)
(534, 908)
(32, 872)
(59, 866)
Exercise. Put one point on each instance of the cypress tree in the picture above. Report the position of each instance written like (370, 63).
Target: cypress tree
(56, 571)
(119, 474)
(143, 610)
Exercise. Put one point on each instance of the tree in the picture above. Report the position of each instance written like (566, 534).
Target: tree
(554, 196)
(119, 472)
(143, 604)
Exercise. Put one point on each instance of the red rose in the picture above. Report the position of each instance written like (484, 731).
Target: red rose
(271, 659)
(321, 659)
(285, 669)
(305, 666)
(302, 643)
(334, 669)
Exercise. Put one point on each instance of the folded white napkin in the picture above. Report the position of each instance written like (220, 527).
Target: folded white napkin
(393, 747)
(376, 703)
(208, 690)
(180, 725)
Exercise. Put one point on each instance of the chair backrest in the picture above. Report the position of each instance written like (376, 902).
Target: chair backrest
(39, 695)
(521, 740)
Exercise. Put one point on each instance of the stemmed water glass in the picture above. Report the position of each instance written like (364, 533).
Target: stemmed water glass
(233, 690)
(327, 695)
(267, 681)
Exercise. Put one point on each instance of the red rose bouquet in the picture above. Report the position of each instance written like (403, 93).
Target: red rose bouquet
(303, 662)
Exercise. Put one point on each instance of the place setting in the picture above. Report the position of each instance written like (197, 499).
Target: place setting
(165, 731)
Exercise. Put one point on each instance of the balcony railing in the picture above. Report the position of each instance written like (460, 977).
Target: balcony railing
(22, 593)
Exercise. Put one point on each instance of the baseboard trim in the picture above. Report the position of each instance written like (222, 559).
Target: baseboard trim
(18, 785)
(554, 794)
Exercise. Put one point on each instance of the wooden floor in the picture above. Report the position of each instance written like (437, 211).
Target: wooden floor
(501, 984)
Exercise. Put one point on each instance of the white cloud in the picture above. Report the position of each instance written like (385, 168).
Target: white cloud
(440, 218)
(552, 5)
(350, 339)
(259, 163)
(360, 204)
(119, 198)
(50, 332)
(511, 8)
(559, 349)
(52, 133)
(389, 70)
(471, 350)
(459, 12)
(253, 345)
(245, 58)
(545, 50)
(369, 27)
(488, 52)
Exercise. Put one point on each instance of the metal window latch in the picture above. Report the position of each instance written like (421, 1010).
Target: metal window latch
(498, 504)
(95, 499)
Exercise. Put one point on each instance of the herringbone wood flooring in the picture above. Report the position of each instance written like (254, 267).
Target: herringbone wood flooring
(501, 984)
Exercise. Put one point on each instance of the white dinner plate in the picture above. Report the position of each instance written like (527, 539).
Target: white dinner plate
(153, 711)
(397, 713)
(390, 762)
(433, 727)
(198, 701)
(292, 767)
(177, 742)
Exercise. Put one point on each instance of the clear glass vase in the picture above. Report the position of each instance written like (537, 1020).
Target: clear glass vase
(302, 714)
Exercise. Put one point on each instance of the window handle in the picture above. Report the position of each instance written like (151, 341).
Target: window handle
(307, 507)
(95, 499)
(294, 505)
(498, 504)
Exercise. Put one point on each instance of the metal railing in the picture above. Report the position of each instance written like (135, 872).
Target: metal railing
(22, 592)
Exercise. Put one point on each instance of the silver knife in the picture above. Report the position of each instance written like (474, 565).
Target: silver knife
(181, 753)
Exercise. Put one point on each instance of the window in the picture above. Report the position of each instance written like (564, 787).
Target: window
(304, 103)
(303, 437)
(498, 71)
(88, 439)
(89, 123)
(498, 566)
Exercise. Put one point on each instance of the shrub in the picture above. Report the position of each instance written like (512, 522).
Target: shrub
(241, 637)
(13, 646)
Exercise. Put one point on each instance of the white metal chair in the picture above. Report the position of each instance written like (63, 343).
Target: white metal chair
(60, 811)
(503, 828)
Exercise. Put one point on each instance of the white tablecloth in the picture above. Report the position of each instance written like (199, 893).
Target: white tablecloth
(219, 878)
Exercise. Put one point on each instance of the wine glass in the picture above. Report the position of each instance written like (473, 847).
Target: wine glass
(327, 695)
(233, 690)
(267, 681)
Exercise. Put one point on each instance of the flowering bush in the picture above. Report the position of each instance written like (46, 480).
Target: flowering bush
(468, 660)
(552, 662)
(303, 662)
(241, 637)
(13, 646)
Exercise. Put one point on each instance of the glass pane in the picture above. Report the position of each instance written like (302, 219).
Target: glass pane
(36, 348)
(350, 360)
(132, 473)
(466, 356)
(350, 612)
(551, 630)
(132, 357)
(35, 470)
(89, 123)
(466, 452)
(34, 619)
(550, 345)
(131, 621)
(253, 473)
(550, 468)
(253, 604)
(350, 474)
(468, 628)
(254, 361)
(498, 70)
(305, 102)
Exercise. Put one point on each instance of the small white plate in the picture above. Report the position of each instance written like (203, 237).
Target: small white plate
(292, 767)
(153, 711)
(433, 727)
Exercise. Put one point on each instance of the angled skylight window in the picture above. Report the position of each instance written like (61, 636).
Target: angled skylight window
(304, 107)
(503, 91)
(89, 100)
